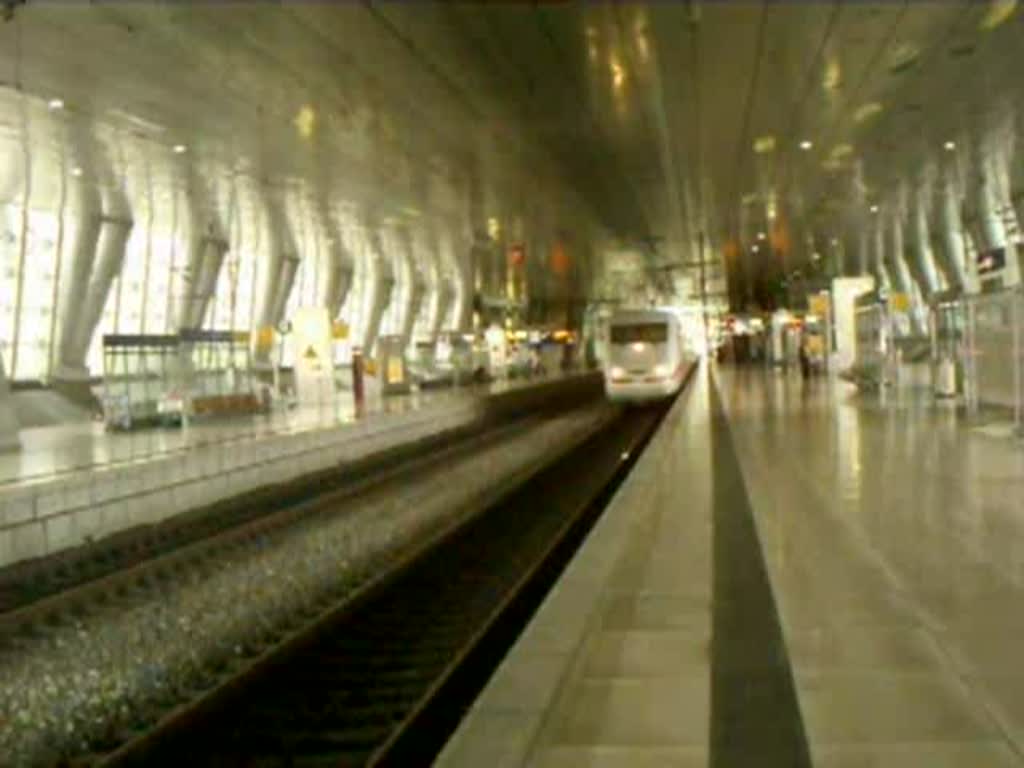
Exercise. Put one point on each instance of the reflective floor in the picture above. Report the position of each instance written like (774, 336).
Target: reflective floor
(56, 451)
(797, 574)
(894, 540)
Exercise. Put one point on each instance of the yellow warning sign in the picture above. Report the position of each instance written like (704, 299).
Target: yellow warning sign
(899, 302)
(396, 371)
(310, 353)
(819, 304)
(339, 330)
(264, 338)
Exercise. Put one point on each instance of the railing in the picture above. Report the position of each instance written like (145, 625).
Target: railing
(994, 353)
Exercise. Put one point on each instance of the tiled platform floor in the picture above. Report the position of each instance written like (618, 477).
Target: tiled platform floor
(890, 536)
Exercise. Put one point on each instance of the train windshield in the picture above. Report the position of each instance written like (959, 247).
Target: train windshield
(652, 333)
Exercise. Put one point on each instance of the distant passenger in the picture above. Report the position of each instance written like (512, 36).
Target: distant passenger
(805, 359)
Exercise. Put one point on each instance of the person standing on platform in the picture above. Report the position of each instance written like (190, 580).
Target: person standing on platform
(805, 359)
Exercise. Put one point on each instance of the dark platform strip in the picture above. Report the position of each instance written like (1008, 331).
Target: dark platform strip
(755, 717)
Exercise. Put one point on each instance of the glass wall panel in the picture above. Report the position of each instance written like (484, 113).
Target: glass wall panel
(35, 310)
(10, 269)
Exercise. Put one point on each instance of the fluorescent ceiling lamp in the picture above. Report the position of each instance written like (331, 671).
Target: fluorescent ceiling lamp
(55, 104)
(998, 12)
(867, 111)
(180, 149)
(950, 146)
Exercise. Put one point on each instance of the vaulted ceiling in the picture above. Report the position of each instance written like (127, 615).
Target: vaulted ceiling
(671, 125)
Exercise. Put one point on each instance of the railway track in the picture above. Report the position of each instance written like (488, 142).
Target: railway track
(41, 591)
(383, 677)
(87, 669)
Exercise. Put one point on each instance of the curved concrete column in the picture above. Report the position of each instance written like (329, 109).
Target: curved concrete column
(281, 266)
(440, 306)
(986, 205)
(862, 257)
(78, 287)
(892, 254)
(952, 229)
(74, 281)
(930, 283)
(421, 258)
(380, 286)
(398, 252)
(340, 268)
(879, 266)
(8, 417)
(902, 280)
(338, 280)
(998, 178)
(427, 254)
(207, 249)
(861, 222)
(106, 267)
(464, 282)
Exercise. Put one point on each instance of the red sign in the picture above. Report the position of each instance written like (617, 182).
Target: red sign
(559, 260)
(517, 255)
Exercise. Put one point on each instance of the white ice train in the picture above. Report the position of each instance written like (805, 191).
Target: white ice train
(647, 358)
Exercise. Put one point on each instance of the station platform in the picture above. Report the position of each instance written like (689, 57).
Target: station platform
(794, 574)
(72, 484)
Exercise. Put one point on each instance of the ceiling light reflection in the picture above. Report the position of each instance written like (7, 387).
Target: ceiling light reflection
(305, 121)
(618, 74)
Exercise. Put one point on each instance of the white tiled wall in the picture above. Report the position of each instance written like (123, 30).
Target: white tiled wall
(45, 517)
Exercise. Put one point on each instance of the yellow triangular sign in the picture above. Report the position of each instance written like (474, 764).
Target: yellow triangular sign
(310, 353)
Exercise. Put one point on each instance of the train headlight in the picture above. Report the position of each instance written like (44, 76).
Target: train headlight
(661, 370)
(617, 373)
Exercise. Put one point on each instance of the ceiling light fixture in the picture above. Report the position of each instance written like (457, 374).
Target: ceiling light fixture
(756, 248)
(874, 209)
(867, 111)
(55, 104)
(950, 146)
(805, 145)
(76, 171)
(760, 235)
(998, 12)
(180, 149)
(764, 144)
